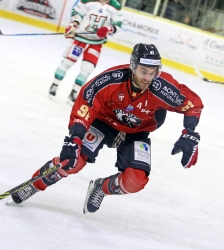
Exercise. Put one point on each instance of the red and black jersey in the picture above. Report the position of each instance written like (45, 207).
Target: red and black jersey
(109, 97)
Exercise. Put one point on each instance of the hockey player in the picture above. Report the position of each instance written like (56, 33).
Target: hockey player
(95, 19)
(119, 108)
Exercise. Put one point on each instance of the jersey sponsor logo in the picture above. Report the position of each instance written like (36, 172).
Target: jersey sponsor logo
(93, 138)
(129, 108)
(101, 82)
(77, 51)
(156, 85)
(127, 119)
(117, 75)
(96, 85)
(142, 152)
(167, 92)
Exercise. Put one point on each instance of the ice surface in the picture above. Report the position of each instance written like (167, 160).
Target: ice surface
(178, 210)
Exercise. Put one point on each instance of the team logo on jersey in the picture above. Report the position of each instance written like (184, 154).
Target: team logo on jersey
(129, 108)
(95, 22)
(127, 119)
(156, 85)
(117, 75)
(121, 96)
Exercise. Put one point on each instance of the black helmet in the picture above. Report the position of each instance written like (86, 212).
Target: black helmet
(147, 55)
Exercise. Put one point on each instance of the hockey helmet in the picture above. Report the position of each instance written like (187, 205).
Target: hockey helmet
(146, 55)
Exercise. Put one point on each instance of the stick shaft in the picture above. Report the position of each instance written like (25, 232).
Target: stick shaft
(39, 34)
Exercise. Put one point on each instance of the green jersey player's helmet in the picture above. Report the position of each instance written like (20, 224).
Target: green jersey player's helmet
(146, 55)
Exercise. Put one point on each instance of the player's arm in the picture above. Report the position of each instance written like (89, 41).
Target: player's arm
(115, 22)
(188, 103)
(81, 117)
(78, 12)
(191, 107)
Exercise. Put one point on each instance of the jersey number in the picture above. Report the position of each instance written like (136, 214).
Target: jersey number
(84, 112)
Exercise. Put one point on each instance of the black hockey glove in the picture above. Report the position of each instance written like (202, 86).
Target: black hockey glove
(188, 144)
(71, 151)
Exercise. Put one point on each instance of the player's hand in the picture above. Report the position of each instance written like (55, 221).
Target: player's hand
(102, 32)
(71, 152)
(188, 144)
(70, 30)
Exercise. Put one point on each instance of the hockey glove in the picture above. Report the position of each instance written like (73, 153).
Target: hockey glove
(71, 152)
(188, 144)
(70, 30)
(102, 32)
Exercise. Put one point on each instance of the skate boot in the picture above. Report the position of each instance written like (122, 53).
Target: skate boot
(53, 89)
(73, 95)
(94, 196)
(24, 193)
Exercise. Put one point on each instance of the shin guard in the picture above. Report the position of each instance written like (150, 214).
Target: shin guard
(49, 179)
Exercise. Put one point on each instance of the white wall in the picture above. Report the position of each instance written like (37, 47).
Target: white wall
(175, 41)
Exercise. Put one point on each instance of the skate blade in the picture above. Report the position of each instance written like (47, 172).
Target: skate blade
(89, 191)
(10, 201)
(52, 97)
(70, 102)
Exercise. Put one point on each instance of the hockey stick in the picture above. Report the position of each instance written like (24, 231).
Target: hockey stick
(32, 180)
(39, 34)
(199, 74)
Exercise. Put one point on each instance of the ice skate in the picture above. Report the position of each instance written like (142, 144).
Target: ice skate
(24, 193)
(72, 97)
(53, 90)
(94, 196)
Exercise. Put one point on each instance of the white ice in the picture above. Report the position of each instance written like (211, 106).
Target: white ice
(178, 210)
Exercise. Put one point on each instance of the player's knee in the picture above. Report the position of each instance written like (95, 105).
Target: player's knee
(133, 180)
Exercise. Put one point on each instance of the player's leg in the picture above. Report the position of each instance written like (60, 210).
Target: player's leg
(133, 159)
(92, 143)
(70, 56)
(50, 179)
(89, 62)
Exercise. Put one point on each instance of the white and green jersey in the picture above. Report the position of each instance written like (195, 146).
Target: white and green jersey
(92, 15)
